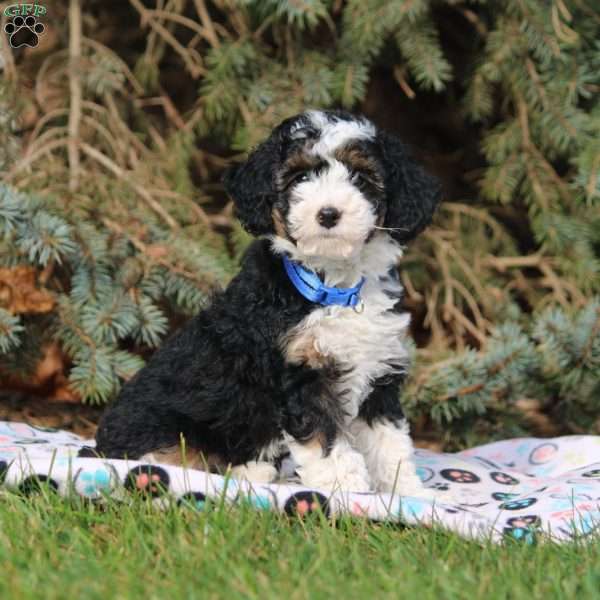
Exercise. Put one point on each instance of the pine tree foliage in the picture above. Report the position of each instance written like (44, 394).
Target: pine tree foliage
(554, 361)
(112, 161)
(109, 292)
(543, 63)
(10, 328)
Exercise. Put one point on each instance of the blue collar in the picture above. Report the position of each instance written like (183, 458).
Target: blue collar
(313, 289)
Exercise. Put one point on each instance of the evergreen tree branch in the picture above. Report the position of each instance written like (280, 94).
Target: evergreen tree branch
(122, 175)
(75, 91)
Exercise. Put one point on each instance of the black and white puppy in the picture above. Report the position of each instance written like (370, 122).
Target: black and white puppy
(265, 372)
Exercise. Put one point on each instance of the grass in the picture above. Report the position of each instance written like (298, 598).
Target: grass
(52, 548)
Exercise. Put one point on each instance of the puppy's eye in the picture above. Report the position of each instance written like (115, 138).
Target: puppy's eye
(297, 178)
(360, 178)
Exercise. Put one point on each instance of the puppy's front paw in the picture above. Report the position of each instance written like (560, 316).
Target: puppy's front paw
(343, 469)
(255, 471)
(355, 482)
(348, 482)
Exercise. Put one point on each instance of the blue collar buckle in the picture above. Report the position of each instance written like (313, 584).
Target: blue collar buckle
(312, 288)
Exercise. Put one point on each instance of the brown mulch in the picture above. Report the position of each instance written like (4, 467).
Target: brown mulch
(83, 419)
(78, 418)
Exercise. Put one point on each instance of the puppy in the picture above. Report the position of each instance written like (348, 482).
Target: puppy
(303, 355)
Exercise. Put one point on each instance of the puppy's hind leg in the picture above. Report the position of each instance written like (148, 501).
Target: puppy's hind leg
(129, 428)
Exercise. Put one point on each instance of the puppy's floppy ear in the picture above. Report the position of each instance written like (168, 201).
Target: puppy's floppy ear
(251, 185)
(412, 194)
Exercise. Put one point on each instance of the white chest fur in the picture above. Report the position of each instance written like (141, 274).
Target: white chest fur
(364, 345)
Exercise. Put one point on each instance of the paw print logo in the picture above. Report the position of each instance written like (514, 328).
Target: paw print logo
(503, 478)
(24, 31)
(459, 476)
(306, 503)
(518, 504)
(147, 479)
(93, 484)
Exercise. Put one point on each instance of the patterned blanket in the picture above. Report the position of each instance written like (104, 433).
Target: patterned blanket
(525, 488)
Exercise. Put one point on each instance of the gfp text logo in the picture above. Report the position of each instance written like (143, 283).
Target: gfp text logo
(24, 26)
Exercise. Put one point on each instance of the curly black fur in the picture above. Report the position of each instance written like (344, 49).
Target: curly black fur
(413, 193)
(221, 381)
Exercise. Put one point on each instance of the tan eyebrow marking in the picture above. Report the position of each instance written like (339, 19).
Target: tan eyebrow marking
(301, 161)
(298, 162)
(356, 158)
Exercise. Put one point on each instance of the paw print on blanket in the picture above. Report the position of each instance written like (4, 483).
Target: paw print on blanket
(523, 528)
(263, 499)
(519, 504)
(195, 500)
(460, 476)
(424, 474)
(524, 521)
(306, 503)
(148, 480)
(543, 453)
(443, 487)
(93, 484)
(503, 478)
(24, 31)
(36, 483)
(503, 496)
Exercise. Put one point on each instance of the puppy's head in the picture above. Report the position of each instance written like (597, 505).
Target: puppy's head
(326, 181)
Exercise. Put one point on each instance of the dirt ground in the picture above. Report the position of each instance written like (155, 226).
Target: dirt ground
(79, 418)
(83, 419)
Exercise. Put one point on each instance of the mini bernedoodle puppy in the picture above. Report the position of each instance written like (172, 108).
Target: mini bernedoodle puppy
(303, 355)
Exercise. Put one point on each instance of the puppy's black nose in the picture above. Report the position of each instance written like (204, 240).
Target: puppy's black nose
(328, 216)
